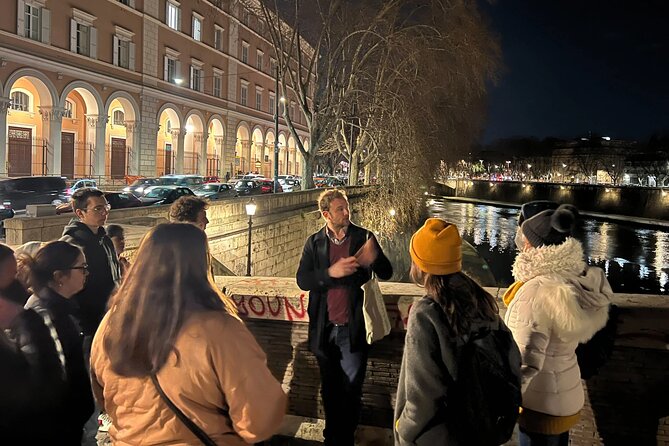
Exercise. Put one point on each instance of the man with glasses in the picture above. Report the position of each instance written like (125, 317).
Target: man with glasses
(92, 209)
(104, 271)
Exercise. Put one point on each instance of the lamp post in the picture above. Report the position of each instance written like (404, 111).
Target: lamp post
(276, 130)
(250, 211)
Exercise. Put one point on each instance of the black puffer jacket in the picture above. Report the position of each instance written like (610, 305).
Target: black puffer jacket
(62, 360)
(104, 273)
(32, 381)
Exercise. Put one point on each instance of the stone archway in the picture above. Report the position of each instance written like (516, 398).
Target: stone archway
(30, 125)
(195, 144)
(121, 137)
(283, 150)
(215, 147)
(82, 137)
(269, 152)
(170, 141)
(257, 151)
(243, 149)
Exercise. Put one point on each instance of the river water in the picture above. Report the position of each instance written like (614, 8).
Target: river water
(635, 258)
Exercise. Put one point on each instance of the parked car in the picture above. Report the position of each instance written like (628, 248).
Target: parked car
(164, 194)
(248, 187)
(212, 179)
(267, 186)
(117, 200)
(328, 182)
(78, 184)
(137, 187)
(17, 193)
(190, 181)
(290, 185)
(214, 191)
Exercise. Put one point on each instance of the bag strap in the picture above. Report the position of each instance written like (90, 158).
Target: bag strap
(194, 428)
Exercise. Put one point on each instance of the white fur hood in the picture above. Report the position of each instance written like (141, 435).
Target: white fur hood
(566, 295)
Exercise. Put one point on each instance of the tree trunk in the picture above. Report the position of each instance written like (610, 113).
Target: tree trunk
(368, 173)
(308, 172)
(353, 170)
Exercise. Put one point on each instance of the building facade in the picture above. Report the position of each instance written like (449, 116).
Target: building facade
(112, 89)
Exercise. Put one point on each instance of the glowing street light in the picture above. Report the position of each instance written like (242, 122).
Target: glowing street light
(250, 211)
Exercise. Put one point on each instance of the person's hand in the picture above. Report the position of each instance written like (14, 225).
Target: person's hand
(368, 253)
(343, 267)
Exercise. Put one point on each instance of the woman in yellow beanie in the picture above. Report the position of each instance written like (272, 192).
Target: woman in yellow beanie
(455, 308)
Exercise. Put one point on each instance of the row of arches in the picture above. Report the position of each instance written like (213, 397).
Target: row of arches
(75, 133)
(254, 152)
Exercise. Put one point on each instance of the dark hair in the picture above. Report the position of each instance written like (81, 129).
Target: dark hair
(52, 257)
(186, 208)
(115, 231)
(5, 252)
(326, 197)
(80, 197)
(148, 311)
(461, 298)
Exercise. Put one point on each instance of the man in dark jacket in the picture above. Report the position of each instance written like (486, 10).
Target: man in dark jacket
(336, 262)
(104, 272)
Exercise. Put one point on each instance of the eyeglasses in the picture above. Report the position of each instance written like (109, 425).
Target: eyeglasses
(83, 267)
(102, 209)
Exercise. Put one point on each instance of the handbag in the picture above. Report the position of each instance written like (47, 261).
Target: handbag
(194, 428)
(377, 323)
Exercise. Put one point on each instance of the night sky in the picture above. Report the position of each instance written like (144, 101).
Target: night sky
(571, 67)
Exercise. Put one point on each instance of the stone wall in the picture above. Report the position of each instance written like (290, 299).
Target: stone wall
(280, 227)
(633, 201)
(627, 403)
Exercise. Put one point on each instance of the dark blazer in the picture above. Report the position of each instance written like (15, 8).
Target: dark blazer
(312, 276)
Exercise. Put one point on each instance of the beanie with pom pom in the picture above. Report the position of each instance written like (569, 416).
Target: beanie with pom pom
(550, 227)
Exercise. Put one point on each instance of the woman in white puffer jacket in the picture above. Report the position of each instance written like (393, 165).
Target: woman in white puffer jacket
(558, 302)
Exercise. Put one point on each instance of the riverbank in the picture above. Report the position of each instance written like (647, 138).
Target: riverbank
(616, 218)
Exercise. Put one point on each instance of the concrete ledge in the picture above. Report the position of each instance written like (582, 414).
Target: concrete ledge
(642, 322)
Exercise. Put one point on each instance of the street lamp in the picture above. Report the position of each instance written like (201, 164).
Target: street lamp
(250, 211)
(276, 128)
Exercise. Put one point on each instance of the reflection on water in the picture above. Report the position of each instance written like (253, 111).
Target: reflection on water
(635, 259)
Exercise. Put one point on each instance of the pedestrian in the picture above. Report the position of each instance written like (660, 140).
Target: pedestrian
(92, 209)
(433, 372)
(334, 276)
(29, 248)
(171, 331)
(57, 273)
(117, 235)
(29, 373)
(190, 209)
(559, 302)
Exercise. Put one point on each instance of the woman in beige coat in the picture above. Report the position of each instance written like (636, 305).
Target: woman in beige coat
(168, 319)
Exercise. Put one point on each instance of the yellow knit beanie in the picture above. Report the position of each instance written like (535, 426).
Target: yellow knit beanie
(436, 248)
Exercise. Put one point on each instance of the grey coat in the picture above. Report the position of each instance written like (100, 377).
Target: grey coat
(427, 366)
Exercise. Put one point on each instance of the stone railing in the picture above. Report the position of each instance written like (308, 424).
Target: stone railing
(626, 403)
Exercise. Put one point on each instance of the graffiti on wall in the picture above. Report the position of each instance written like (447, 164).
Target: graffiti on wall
(294, 308)
(281, 308)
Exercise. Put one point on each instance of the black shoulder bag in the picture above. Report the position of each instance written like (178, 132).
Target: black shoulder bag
(194, 428)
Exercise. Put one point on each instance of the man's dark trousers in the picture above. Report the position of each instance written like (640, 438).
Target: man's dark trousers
(342, 375)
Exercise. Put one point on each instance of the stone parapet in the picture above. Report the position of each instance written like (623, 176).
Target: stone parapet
(626, 403)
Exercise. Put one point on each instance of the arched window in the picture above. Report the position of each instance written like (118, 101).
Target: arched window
(69, 109)
(118, 117)
(20, 101)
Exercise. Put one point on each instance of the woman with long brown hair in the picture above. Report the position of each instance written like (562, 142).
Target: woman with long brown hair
(437, 397)
(170, 330)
